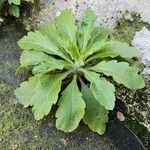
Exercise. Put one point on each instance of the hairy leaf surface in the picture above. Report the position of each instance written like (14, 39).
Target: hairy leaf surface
(115, 48)
(32, 57)
(98, 40)
(102, 89)
(63, 44)
(36, 41)
(85, 29)
(71, 108)
(40, 92)
(96, 116)
(65, 24)
(100, 34)
(97, 46)
(121, 73)
(49, 66)
(44, 62)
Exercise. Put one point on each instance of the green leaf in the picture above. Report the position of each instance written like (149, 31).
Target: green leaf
(137, 64)
(133, 63)
(44, 62)
(98, 40)
(71, 108)
(1, 3)
(97, 46)
(49, 66)
(65, 24)
(102, 89)
(32, 57)
(51, 32)
(115, 48)
(121, 73)
(41, 92)
(36, 41)
(100, 34)
(16, 2)
(96, 116)
(15, 11)
(85, 29)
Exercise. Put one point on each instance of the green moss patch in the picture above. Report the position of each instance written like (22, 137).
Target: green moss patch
(126, 28)
(125, 31)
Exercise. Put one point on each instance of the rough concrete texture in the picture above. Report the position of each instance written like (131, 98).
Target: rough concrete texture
(108, 11)
(142, 42)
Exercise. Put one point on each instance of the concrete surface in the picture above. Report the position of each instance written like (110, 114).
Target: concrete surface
(108, 11)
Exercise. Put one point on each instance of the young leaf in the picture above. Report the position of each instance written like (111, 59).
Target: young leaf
(114, 49)
(94, 48)
(96, 116)
(85, 29)
(15, 11)
(68, 31)
(98, 40)
(102, 89)
(65, 24)
(100, 34)
(16, 2)
(41, 93)
(65, 45)
(36, 41)
(71, 108)
(121, 73)
(49, 30)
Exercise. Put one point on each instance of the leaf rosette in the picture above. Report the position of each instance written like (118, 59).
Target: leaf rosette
(84, 55)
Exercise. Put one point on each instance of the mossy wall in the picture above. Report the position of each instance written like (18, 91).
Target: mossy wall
(134, 102)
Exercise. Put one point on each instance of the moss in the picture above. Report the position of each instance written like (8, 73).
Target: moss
(126, 28)
(17, 125)
(125, 31)
(3, 88)
(18, 128)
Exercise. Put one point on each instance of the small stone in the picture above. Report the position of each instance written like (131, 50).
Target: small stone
(63, 141)
(128, 17)
(1, 140)
(14, 101)
(120, 116)
(14, 147)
